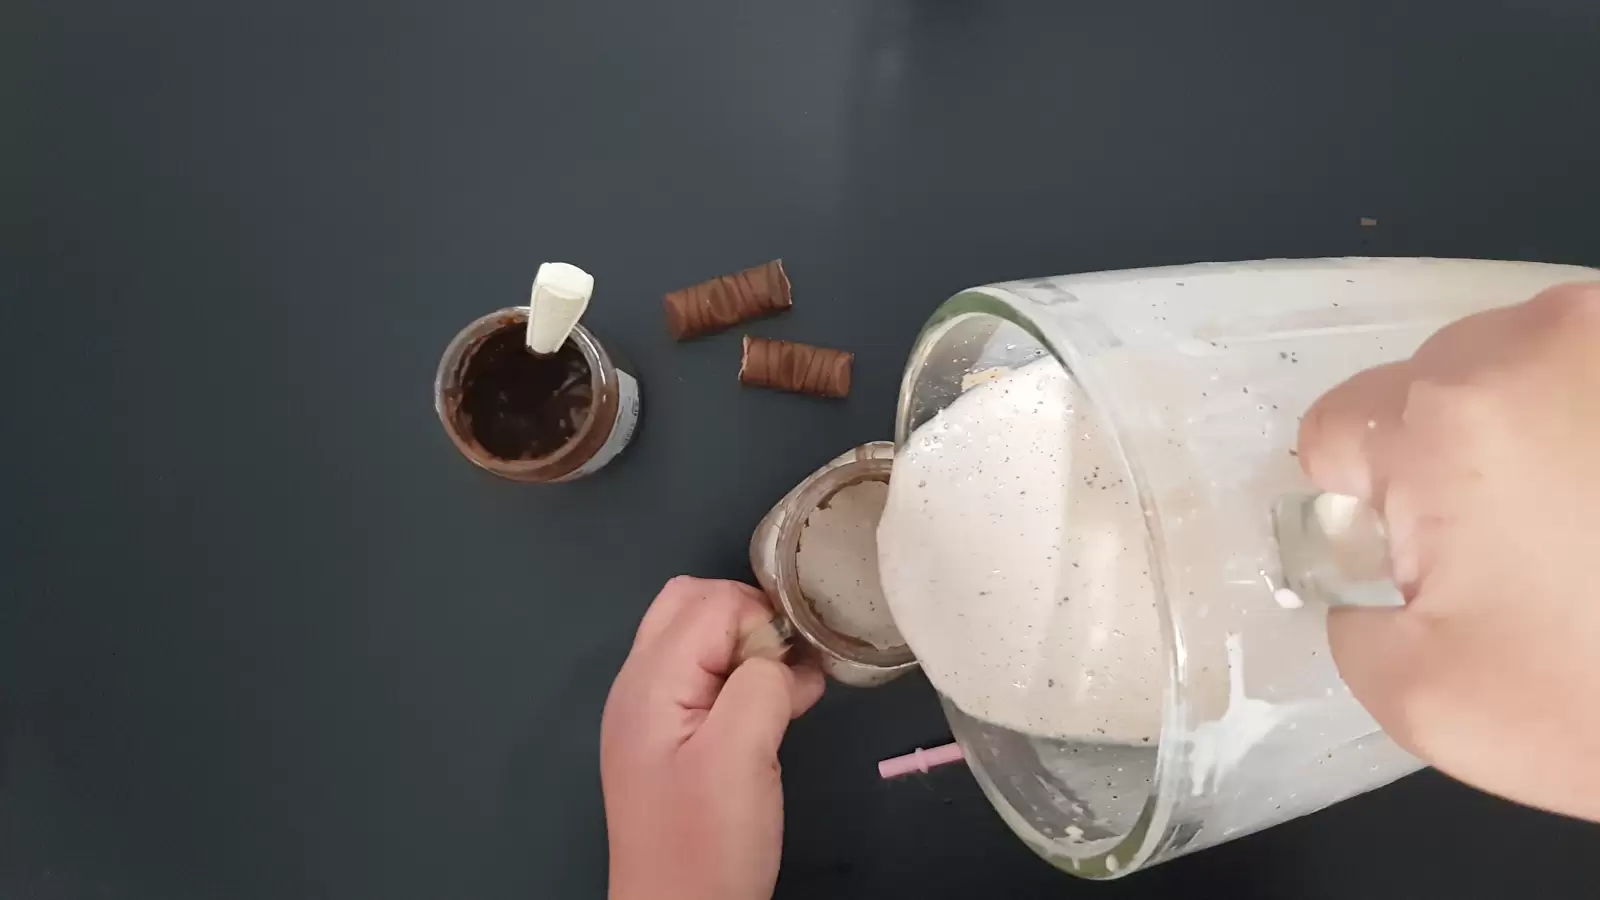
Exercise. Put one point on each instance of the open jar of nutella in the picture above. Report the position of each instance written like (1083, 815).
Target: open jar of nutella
(534, 417)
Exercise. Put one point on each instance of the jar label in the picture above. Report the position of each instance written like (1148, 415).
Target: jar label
(621, 430)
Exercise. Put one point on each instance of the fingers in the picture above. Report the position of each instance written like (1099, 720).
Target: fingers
(1341, 441)
(1378, 652)
(665, 607)
(680, 594)
(808, 686)
(1346, 430)
(1467, 348)
(755, 707)
(684, 657)
(705, 632)
(688, 640)
(1340, 433)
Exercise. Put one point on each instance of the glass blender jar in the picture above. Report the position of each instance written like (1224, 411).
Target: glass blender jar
(1079, 544)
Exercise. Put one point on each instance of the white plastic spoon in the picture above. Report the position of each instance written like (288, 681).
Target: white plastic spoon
(560, 294)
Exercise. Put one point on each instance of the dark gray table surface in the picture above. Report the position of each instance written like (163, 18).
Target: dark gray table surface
(263, 633)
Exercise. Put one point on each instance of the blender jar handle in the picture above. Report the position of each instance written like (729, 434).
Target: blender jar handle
(1334, 549)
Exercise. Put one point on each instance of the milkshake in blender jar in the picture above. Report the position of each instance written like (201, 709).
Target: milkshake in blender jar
(1078, 541)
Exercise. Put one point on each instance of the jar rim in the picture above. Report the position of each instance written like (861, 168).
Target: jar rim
(786, 575)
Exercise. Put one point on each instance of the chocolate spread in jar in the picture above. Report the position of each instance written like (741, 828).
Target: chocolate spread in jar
(519, 405)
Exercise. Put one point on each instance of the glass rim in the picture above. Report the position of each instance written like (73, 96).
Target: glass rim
(1145, 838)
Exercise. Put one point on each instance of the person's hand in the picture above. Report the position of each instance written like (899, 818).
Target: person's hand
(1482, 452)
(689, 749)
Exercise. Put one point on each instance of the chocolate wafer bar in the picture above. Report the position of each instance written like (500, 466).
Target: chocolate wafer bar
(727, 300)
(800, 368)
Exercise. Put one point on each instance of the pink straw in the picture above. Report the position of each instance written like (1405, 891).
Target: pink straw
(919, 760)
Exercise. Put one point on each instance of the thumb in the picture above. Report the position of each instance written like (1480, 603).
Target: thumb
(752, 712)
